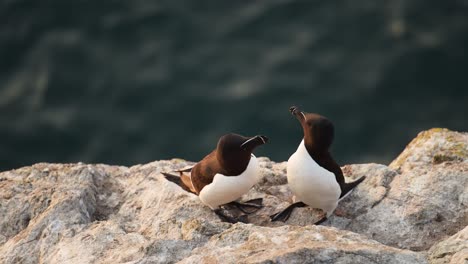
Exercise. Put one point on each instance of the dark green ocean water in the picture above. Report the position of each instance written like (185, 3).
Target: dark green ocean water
(128, 82)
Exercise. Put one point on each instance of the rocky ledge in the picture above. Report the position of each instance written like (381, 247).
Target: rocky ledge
(412, 211)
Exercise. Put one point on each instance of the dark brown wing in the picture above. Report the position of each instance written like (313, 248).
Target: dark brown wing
(326, 161)
(205, 170)
(183, 180)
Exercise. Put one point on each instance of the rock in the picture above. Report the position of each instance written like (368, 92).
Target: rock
(292, 244)
(433, 147)
(78, 213)
(416, 201)
(451, 250)
(51, 202)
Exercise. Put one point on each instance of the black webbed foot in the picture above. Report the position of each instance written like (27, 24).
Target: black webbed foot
(321, 220)
(230, 218)
(250, 206)
(284, 215)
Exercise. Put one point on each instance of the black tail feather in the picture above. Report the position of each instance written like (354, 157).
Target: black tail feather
(175, 179)
(185, 170)
(350, 186)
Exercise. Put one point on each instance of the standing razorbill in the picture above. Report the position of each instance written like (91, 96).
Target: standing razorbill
(313, 176)
(224, 175)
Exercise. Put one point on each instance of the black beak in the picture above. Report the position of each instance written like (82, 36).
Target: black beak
(294, 110)
(254, 142)
(264, 139)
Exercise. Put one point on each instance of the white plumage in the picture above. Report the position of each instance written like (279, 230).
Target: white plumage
(225, 189)
(312, 184)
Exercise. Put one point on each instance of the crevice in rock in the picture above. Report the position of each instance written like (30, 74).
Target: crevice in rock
(107, 193)
(25, 219)
(387, 191)
(387, 185)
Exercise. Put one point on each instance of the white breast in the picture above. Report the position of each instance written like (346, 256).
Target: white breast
(225, 189)
(312, 184)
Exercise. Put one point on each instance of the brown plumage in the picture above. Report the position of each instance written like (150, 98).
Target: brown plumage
(230, 158)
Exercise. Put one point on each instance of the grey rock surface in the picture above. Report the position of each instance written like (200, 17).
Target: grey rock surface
(294, 244)
(420, 199)
(451, 250)
(81, 213)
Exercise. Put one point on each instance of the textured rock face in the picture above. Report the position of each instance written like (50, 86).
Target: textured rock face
(452, 250)
(421, 198)
(78, 213)
(293, 244)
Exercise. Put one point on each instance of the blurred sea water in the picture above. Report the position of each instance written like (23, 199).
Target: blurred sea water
(128, 82)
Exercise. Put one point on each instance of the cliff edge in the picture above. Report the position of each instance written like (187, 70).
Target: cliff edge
(413, 211)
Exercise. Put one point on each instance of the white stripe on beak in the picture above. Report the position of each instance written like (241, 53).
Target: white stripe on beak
(247, 141)
(262, 139)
